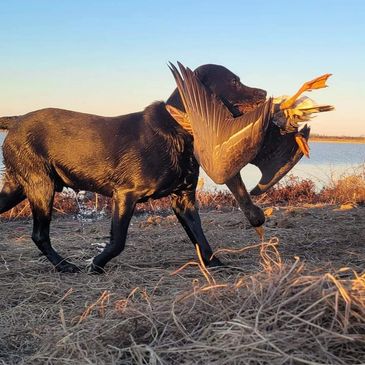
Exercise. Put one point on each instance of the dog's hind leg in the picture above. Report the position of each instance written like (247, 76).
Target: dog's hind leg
(40, 194)
(187, 214)
(122, 211)
(10, 195)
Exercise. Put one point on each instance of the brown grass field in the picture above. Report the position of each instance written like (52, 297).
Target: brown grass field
(296, 298)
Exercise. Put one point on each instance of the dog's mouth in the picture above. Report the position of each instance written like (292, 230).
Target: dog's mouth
(249, 106)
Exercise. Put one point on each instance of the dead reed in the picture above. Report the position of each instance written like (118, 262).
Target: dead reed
(284, 312)
(157, 304)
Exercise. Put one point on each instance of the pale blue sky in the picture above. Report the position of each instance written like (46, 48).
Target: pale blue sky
(110, 57)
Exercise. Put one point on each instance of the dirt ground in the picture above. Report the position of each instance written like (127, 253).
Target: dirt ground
(319, 234)
(40, 309)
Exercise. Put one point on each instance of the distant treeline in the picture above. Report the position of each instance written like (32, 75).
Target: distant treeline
(321, 137)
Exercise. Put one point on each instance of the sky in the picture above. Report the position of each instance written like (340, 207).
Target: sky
(110, 57)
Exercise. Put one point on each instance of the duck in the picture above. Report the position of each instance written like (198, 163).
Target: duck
(286, 142)
(269, 136)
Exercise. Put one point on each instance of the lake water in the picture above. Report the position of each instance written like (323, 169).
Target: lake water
(326, 160)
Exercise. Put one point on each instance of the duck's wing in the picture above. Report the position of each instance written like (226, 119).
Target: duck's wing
(278, 155)
(223, 145)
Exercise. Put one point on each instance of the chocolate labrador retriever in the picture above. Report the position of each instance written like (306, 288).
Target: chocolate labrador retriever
(130, 158)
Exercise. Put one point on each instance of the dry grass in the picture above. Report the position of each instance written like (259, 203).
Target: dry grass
(292, 191)
(346, 189)
(162, 307)
(157, 305)
(282, 314)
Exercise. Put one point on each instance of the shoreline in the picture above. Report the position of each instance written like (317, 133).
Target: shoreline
(337, 140)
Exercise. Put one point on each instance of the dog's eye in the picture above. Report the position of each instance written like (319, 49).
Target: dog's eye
(235, 82)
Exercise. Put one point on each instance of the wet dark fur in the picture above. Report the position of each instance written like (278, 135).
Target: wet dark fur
(130, 158)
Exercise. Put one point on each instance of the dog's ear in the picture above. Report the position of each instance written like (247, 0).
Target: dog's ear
(201, 74)
(180, 117)
(198, 74)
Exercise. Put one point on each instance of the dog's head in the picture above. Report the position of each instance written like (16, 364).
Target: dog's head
(237, 97)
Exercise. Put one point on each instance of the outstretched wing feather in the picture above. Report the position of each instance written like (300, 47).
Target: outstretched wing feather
(223, 145)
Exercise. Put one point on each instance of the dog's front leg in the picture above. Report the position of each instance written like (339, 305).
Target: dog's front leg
(187, 214)
(122, 211)
(253, 213)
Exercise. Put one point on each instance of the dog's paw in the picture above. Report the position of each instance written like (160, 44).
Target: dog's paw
(93, 269)
(67, 267)
(215, 262)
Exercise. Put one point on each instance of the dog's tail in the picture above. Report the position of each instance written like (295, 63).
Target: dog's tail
(7, 122)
